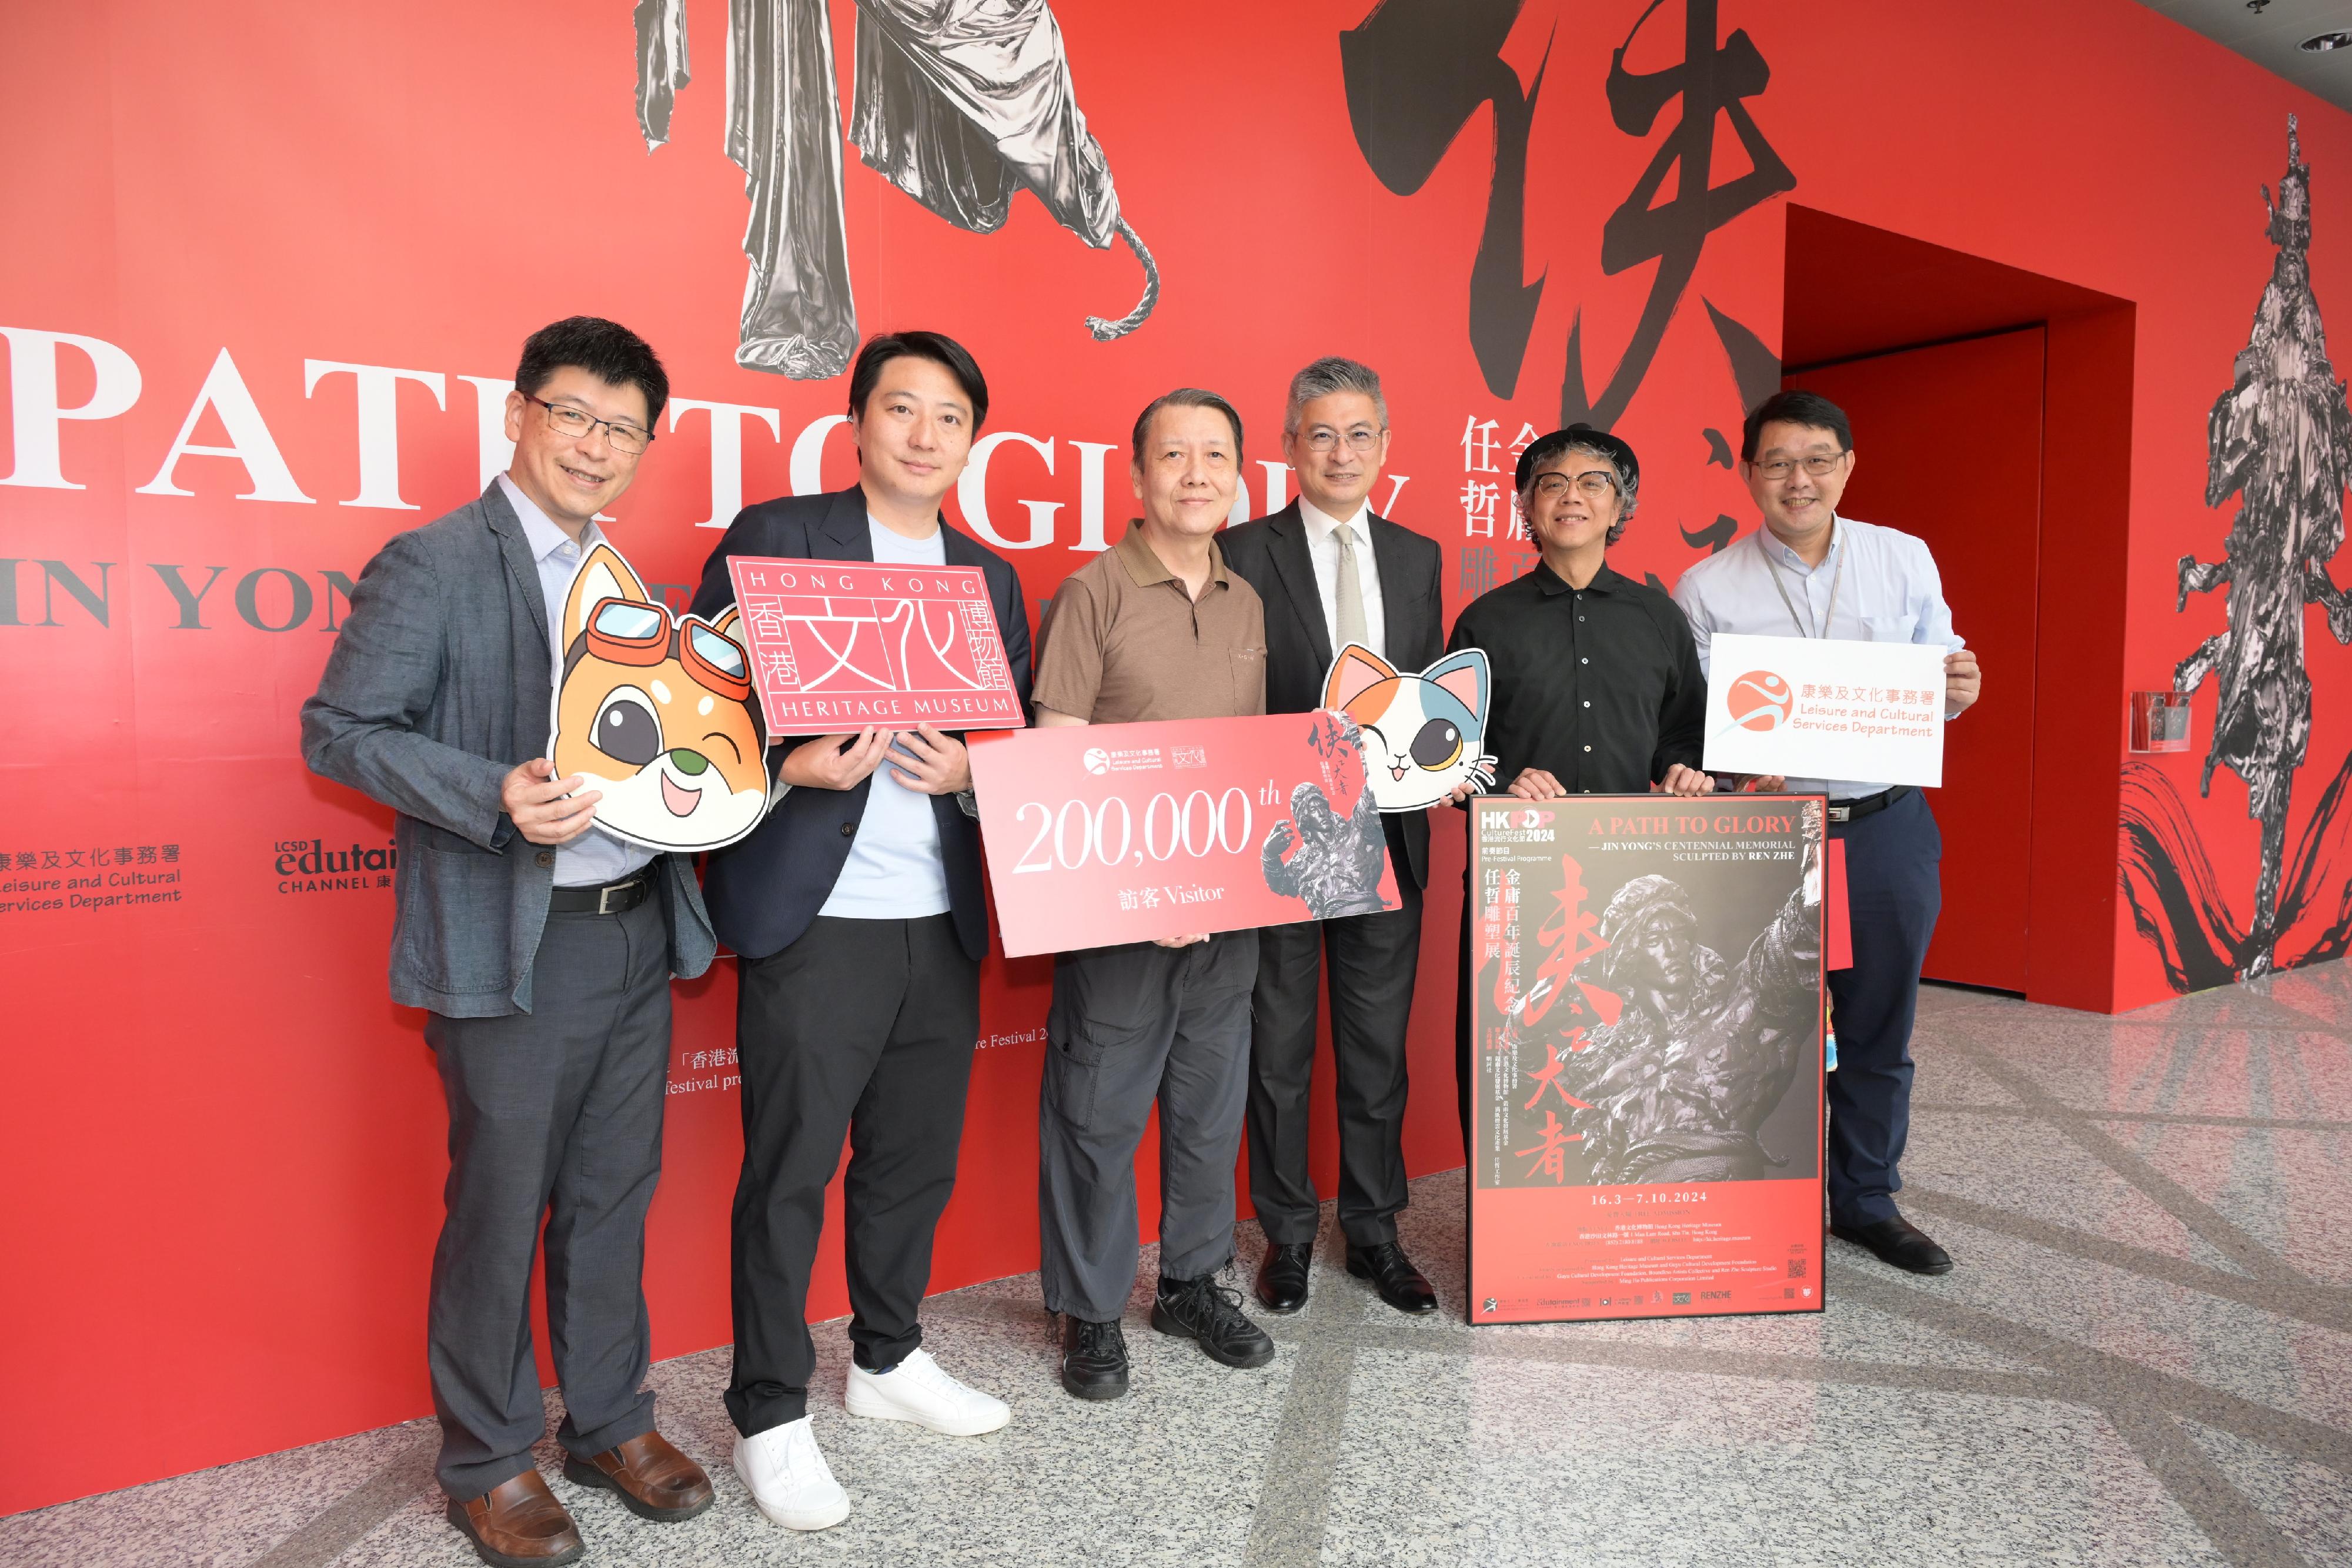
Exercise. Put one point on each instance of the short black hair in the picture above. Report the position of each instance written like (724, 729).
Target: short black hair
(938, 348)
(1182, 397)
(1794, 406)
(606, 349)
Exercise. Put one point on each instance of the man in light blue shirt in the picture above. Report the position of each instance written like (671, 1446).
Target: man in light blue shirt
(1809, 572)
(595, 858)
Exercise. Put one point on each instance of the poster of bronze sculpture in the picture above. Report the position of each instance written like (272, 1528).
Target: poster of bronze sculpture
(1646, 1053)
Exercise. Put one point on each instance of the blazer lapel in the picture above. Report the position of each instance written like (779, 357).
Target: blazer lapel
(515, 549)
(1388, 556)
(843, 535)
(1286, 534)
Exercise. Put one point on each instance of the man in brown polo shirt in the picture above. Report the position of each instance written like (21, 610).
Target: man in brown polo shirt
(1155, 629)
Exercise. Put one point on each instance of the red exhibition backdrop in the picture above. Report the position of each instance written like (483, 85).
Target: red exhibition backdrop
(231, 225)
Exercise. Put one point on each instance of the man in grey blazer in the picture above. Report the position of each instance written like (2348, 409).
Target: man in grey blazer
(541, 946)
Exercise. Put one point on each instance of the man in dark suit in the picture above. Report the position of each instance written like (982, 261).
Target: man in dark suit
(859, 913)
(542, 947)
(1332, 573)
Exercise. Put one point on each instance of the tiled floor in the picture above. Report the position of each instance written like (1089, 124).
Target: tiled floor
(2145, 1356)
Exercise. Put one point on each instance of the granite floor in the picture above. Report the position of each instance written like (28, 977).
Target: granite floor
(2145, 1356)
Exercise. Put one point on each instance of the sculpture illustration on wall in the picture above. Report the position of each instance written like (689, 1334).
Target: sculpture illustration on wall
(961, 103)
(2281, 440)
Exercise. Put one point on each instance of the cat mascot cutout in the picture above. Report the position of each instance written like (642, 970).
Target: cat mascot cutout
(1424, 735)
(658, 712)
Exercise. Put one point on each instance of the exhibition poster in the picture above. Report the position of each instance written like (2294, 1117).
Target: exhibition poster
(1645, 1107)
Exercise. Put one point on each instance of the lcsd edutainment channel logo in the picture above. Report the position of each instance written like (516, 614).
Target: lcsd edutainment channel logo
(308, 865)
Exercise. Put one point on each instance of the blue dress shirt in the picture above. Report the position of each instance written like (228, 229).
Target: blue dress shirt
(595, 859)
(1889, 592)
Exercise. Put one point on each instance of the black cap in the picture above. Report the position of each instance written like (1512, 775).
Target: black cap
(1544, 448)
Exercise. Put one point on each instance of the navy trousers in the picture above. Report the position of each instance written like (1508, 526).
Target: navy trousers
(1894, 890)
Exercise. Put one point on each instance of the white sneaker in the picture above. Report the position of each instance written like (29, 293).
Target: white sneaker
(789, 1478)
(918, 1390)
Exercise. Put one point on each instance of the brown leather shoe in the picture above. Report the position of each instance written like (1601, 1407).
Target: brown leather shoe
(518, 1524)
(653, 1479)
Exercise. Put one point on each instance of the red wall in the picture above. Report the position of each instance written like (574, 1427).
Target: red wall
(226, 1144)
(1956, 452)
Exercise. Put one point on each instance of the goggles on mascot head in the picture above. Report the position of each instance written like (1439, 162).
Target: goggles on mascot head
(623, 631)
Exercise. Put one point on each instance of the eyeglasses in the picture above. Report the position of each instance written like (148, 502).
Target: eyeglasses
(623, 631)
(1591, 485)
(1363, 438)
(1819, 464)
(576, 422)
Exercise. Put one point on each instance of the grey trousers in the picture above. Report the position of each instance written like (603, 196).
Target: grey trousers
(1130, 1026)
(554, 1114)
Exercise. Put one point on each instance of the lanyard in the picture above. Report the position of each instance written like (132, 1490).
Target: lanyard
(1774, 568)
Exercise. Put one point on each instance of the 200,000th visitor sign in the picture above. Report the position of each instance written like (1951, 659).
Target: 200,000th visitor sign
(1645, 1105)
(1130, 832)
(839, 645)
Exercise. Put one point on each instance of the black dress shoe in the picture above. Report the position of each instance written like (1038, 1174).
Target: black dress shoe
(1899, 1242)
(1093, 1358)
(1211, 1315)
(1393, 1275)
(1282, 1276)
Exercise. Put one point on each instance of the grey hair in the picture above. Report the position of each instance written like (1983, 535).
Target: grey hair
(1332, 374)
(1628, 486)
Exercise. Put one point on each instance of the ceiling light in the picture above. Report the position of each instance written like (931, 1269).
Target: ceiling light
(2320, 43)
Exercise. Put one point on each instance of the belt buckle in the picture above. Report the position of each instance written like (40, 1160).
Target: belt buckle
(1841, 813)
(604, 897)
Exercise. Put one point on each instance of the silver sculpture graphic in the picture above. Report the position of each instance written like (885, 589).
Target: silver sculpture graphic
(2281, 439)
(959, 103)
(1703, 1051)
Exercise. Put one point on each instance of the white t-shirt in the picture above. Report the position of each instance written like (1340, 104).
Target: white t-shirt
(894, 870)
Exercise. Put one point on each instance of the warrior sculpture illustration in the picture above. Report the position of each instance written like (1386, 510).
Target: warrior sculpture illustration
(961, 103)
(2281, 438)
(1678, 1088)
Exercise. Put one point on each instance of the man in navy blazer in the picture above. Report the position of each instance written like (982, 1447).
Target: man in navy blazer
(1331, 573)
(857, 911)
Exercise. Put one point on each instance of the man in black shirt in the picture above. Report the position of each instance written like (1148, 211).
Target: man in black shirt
(1598, 689)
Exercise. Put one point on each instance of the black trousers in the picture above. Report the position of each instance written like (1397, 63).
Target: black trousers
(554, 1114)
(1894, 892)
(1373, 959)
(862, 1028)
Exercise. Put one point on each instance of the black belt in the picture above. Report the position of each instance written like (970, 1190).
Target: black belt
(615, 898)
(1861, 806)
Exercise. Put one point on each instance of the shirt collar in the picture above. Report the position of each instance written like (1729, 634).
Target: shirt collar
(1774, 551)
(1605, 581)
(1145, 567)
(1321, 525)
(543, 537)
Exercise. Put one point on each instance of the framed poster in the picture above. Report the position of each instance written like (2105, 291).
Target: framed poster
(1645, 1109)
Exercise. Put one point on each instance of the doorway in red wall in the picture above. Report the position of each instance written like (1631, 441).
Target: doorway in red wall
(1947, 446)
(1988, 403)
